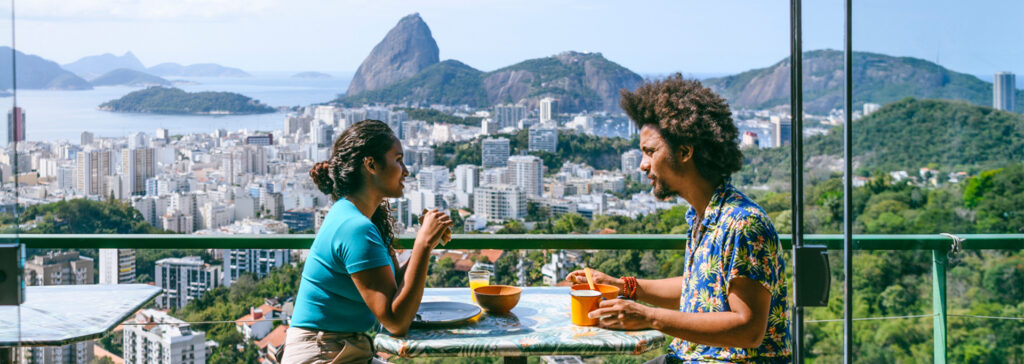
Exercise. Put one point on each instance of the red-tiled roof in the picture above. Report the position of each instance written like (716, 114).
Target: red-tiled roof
(247, 319)
(492, 254)
(275, 338)
(463, 265)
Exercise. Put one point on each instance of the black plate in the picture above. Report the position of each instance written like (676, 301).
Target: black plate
(444, 313)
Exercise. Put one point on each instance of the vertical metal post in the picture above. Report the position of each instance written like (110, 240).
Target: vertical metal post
(796, 164)
(939, 264)
(848, 185)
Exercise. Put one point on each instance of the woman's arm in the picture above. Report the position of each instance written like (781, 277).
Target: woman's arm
(396, 307)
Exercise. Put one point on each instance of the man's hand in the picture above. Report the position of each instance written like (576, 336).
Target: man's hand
(622, 315)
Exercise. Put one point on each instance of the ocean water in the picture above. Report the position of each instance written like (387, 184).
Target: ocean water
(54, 115)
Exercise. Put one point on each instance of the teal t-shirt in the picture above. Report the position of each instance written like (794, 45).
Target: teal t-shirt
(328, 299)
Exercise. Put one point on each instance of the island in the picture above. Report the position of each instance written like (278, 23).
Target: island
(169, 100)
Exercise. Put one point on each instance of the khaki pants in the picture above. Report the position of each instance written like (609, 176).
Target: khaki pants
(304, 346)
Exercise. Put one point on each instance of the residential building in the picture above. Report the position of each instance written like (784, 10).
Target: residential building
(467, 177)
(16, 125)
(548, 110)
(154, 337)
(117, 266)
(300, 219)
(92, 168)
(87, 138)
(782, 128)
(265, 139)
(500, 202)
(258, 262)
(258, 322)
(543, 138)
(527, 172)
(494, 152)
(432, 177)
(137, 165)
(1004, 91)
(507, 115)
(183, 280)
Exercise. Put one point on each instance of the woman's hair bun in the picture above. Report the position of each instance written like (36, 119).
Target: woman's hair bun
(321, 174)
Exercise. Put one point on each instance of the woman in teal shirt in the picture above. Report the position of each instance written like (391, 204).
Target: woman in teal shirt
(350, 281)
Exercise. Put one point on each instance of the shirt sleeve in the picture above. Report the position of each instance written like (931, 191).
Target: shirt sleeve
(752, 252)
(363, 248)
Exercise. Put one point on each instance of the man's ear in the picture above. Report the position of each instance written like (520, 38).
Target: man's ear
(684, 153)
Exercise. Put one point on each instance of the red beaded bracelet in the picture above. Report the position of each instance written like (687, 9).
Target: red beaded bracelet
(629, 287)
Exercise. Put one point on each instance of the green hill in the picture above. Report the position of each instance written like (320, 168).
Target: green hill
(877, 78)
(907, 135)
(167, 100)
(449, 82)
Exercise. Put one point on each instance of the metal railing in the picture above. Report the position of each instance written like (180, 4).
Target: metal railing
(939, 245)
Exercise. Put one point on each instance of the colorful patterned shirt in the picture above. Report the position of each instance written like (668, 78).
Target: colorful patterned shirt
(735, 239)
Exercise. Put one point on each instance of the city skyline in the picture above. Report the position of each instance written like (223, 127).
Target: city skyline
(336, 37)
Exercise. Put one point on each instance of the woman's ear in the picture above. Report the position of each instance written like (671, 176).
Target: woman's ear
(370, 165)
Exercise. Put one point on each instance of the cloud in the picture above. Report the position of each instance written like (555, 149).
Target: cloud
(168, 10)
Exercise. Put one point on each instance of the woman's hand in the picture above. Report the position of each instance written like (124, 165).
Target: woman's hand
(580, 276)
(434, 227)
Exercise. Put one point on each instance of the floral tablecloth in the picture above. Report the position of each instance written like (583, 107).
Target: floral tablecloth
(539, 325)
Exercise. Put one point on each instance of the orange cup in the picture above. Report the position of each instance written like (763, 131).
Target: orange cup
(608, 291)
(584, 301)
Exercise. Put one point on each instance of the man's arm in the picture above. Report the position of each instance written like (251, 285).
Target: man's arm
(743, 326)
(659, 292)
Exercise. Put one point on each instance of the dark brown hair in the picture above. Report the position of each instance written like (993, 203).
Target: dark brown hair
(342, 174)
(688, 114)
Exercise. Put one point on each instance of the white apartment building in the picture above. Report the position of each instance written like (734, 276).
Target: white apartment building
(258, 262)
(467, 177)
(156, 337)
(117, 266)
(543, 138)
(494, 152)
(183, 280)
(527, 172)
(432, 177)
(499, 202)
(548, 110)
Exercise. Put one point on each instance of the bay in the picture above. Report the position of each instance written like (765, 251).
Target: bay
(58, 114)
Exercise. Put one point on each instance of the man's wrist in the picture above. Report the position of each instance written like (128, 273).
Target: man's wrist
(651, 317)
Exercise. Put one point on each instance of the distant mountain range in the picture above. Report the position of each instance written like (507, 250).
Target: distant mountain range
(196, 70)
(404, 68)
(877, 78)
(93, 66)
(34, 72)
(128, 77)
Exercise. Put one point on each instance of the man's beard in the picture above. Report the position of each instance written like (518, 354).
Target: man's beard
(661, 191)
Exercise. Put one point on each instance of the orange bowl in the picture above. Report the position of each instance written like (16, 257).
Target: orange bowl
(497, 298)
(609, 292)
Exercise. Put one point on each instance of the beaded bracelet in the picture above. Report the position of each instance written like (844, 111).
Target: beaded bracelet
(629, 287)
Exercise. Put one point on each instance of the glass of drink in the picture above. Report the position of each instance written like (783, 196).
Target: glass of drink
(478, 278)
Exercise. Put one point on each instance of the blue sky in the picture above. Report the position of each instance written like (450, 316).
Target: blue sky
(649, 37)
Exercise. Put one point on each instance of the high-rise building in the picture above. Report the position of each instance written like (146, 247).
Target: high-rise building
(494, 152)
(527, 172)
(163, 134)
(507, 115)
(183, 280)
(1004, 91)
(325, 114)
(117, 266)
(499, 202)
(782, 128)
(548, 110)
(467, 177)
(137, 165)
(543, 138)
(257, 262)
(322, 134)
(156, 337)
(137, 140)
(749, 140)
(55, 269)
(178, 222)
(264, 139)
(87, 138)
(93, 166)
(631, 160)
(870, 108)
(16, 125)
(432, 177)
(401, 212)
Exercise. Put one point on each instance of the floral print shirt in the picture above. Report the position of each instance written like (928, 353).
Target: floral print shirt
(735, 239)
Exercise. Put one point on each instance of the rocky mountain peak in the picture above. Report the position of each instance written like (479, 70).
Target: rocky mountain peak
(407, 49)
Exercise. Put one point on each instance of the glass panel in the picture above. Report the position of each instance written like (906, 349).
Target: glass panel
(937, 142)
(11, 252)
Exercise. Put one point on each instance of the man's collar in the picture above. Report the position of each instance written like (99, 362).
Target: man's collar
(713, 211)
